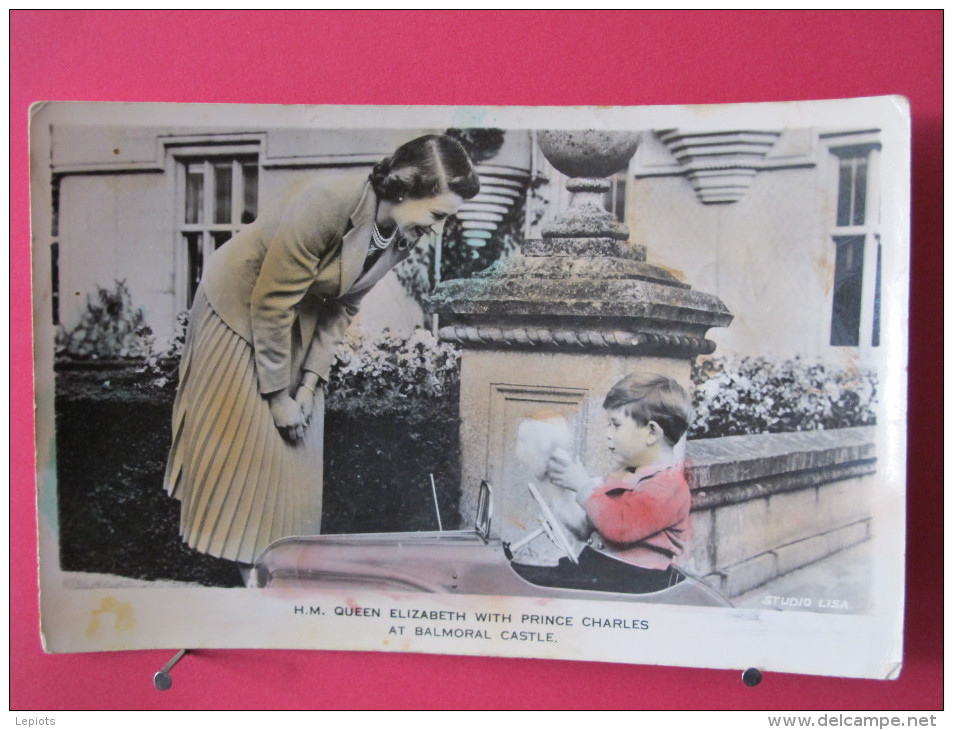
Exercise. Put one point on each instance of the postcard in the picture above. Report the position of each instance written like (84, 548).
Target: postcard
(621, 384)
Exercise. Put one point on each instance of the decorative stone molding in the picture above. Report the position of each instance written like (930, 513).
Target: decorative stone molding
(581, 301)
(501, 186)
(587, 247)
(550, 337)
(720, 165)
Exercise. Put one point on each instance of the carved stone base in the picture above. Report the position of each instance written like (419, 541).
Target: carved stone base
(545, 333)
(600, 303)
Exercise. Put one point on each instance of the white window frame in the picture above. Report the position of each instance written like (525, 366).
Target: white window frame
(847, 145)
(238, 153)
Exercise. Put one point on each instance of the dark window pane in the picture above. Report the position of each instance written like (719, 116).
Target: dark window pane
(614, 199)
(860, 193)
(196, 261)
(55, 279)
(223, 192)
(219, 237)
(620, 199)
(194, 193)
(875, 339)
(250, 198)
(844, 193)
(848, 287)
(55, 226)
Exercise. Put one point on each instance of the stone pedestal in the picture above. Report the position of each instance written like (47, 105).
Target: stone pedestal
(554, 327)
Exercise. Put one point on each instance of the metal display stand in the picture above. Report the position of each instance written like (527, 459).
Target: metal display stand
(163, 679)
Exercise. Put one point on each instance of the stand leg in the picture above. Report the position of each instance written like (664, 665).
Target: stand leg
(162, 679)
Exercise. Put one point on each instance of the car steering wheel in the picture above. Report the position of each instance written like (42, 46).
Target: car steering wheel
(551, 525)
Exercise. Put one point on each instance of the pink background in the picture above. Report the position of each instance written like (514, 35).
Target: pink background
(498, 58)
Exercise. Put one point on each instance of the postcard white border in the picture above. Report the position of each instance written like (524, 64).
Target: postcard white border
(813, 643)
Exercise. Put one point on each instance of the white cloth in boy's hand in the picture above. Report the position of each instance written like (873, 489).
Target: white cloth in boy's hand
(567, 472)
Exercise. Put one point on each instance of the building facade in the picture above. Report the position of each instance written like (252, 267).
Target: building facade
(148, 206)
(781, 225)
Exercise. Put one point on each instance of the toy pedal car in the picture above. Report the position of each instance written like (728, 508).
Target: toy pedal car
(448, 561)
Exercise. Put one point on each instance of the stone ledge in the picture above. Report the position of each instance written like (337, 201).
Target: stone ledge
(744, 491)
(580, 267)
(734, 460)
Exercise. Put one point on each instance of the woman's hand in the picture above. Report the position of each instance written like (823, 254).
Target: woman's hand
(305, 400)
(289, 420)
(306, 393)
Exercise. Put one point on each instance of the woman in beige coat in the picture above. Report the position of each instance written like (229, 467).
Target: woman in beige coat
(274, 303)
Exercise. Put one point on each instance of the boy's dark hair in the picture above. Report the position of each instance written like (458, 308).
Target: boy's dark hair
(649, 397)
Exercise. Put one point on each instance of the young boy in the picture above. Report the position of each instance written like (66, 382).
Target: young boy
(641, 512)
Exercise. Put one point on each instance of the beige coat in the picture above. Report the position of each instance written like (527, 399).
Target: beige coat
(299, 267)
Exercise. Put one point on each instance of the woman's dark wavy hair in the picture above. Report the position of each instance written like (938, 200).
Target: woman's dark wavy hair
(424, 167)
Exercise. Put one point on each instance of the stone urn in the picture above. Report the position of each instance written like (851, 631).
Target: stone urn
(587, 157)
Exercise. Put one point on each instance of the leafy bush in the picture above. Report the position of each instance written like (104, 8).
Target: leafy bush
(111, 328)
(481, 143)
(758, 395)
(378, 461)
(415, 273)
(392, 422)
(162, 368)
(392, 368)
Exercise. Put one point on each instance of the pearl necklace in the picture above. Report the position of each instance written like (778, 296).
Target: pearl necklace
(379, 241)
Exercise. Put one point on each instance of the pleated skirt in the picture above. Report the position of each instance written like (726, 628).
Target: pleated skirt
(242, 486)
